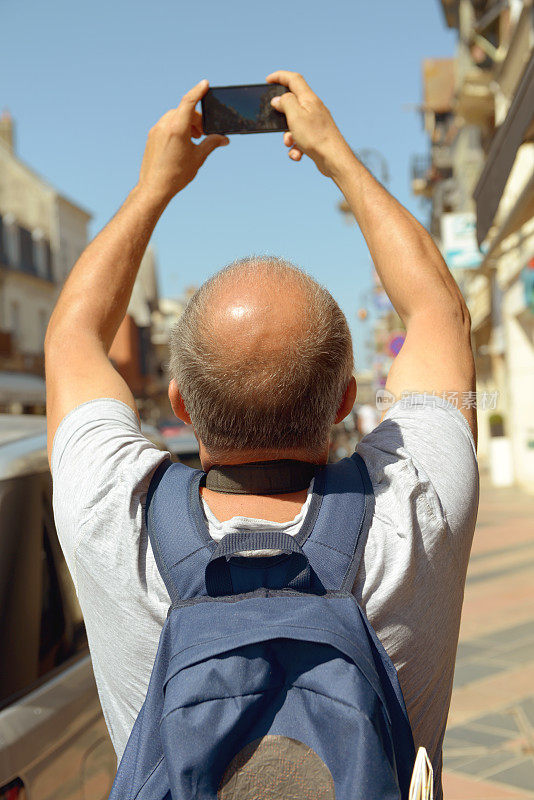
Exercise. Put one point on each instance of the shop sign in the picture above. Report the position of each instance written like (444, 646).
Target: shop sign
(527, 279)
(395, 344)
(459, 240)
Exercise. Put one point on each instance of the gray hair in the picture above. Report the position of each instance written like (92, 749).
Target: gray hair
(285, 402)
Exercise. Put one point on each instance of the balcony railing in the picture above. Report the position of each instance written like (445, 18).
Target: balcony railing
(426, 174)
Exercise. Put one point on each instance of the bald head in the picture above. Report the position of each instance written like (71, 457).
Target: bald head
(262, 356)
(263, 312)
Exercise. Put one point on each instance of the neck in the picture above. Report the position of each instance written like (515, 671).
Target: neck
(232, 457)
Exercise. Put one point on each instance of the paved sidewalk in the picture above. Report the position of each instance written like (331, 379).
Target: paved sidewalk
(489, 745)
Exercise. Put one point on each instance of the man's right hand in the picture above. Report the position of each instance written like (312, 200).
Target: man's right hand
(312, 129)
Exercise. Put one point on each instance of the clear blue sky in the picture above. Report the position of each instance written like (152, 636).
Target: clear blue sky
(85, 81)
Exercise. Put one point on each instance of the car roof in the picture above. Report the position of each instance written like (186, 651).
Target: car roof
(23, 444)
(18, 426)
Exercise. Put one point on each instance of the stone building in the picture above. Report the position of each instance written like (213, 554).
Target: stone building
(42, 233)
(485, 227)
(132, 352)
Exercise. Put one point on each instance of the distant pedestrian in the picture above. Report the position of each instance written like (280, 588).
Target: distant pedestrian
(367, 419)
(261, 365)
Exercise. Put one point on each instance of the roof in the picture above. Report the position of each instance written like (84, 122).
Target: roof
(19, 426)
(21, 387)
(6, 151)
(23, 444)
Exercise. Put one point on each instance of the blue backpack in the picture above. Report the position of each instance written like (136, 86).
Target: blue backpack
(269, 682)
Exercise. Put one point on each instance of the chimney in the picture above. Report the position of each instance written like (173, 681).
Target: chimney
(7, 130)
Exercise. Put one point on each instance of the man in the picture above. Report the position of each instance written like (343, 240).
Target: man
(261, 364)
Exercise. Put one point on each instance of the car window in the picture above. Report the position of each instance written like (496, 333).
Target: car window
(41, 626)
(59, 599)
(52, 639)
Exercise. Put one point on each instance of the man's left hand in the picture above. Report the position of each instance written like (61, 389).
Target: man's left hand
(171, 159)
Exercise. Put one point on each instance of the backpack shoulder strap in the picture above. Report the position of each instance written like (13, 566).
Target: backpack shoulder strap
(335, 544)
(333, 534)
(180, 541)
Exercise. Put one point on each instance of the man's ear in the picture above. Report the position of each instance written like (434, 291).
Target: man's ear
(348, 401)
(177, 403)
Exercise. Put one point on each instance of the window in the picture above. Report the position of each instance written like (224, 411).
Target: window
(48, 260)
(43, 325)
(39, 254)
(26, 250)
(62, 628)
(52, 640)
(3, 256)
(11, 243)
(14, 321)
(144, 350)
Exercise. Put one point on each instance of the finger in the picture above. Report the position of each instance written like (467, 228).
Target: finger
(209, 144)
(295, 153)
(191, 98)
(285, 103)
(197, 123)
(197, 129)
(288, 139)
(294, 82)
(186, 109)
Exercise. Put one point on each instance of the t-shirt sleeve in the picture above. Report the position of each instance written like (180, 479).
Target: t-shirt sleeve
(429, 436)
(98, 453)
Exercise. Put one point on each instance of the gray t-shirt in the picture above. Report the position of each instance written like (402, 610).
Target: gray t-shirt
(422, 464)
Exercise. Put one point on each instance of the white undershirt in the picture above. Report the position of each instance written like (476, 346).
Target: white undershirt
(218, 529)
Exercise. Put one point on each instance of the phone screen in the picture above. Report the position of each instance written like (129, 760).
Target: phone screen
(242, 109)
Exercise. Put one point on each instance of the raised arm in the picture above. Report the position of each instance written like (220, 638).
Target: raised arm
(95, 297)
(436, 356)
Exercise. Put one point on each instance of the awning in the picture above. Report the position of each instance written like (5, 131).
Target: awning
(503, 151)
(20, 387)
(519, 214)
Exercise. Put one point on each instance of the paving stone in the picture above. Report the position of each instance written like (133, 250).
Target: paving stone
(520, 775)
(486, 766)
(521, 653)
(483, 755)
(509, 635)
(527, 706)
(503, 721)
(501, 551)
(471, 671)
(469, 649)
(463, 735)
(456, 762)
(463, 787)
(526, 564)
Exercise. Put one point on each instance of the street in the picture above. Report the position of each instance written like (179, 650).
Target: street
(489, 745)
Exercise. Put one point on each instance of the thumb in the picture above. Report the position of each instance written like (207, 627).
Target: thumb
(209, 144)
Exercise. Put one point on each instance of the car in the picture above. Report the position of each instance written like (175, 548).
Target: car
(53, 737)
(180, 440)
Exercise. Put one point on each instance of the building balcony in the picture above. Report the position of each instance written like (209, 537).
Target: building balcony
(426, 173)
(29, 363)
(475, 101)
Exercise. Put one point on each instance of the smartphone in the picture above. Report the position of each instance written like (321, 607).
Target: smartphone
(242, 109)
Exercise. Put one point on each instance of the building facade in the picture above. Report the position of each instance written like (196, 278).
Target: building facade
(132, 352)
(479, 181)
(42, 233)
